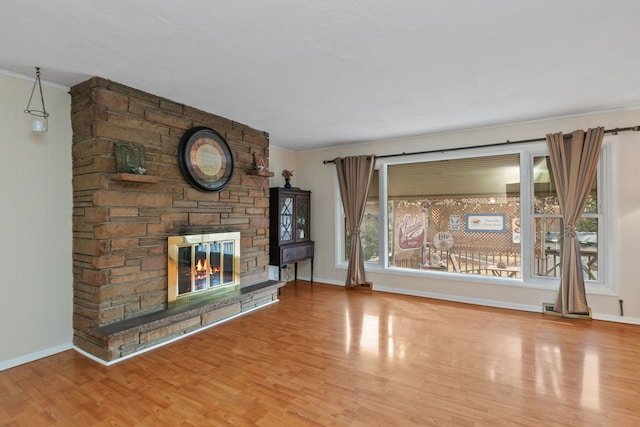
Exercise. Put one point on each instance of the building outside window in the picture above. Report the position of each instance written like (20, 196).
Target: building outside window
(469, 216)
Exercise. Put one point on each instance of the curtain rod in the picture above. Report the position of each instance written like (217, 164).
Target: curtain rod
(496, 144)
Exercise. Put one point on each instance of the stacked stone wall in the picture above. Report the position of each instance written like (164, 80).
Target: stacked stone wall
(121, 222)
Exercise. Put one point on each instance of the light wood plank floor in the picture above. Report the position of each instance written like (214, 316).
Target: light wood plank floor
(327, 356)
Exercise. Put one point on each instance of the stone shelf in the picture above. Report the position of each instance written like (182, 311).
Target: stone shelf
(133, 177)
(260, 173)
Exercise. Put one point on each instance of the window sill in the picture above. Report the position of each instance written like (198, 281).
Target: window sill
(549, 284)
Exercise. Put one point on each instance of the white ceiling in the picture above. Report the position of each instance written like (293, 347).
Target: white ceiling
(320, 73)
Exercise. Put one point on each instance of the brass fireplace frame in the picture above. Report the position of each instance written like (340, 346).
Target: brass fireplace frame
(174, 244)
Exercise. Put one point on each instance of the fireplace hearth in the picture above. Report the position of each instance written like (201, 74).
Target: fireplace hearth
(202, 266)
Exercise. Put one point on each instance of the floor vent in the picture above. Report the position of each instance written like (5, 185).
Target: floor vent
(547, 308)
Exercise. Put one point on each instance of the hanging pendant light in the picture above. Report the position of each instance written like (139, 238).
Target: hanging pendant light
(39, 121)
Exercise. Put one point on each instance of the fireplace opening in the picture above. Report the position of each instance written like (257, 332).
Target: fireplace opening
(202, 265)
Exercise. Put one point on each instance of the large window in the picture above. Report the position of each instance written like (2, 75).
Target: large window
(494, 215)
(456, 215)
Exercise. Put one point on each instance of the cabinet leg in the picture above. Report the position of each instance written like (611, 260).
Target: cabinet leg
(312, 270)
(295, 271)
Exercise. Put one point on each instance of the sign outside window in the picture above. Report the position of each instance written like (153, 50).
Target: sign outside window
(515, 227)
(410, 224)
(487, 223)
(454, 222)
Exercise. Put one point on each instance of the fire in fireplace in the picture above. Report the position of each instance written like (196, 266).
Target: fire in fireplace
(202, 265)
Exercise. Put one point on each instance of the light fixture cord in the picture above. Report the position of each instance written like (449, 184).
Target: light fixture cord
(37, 82)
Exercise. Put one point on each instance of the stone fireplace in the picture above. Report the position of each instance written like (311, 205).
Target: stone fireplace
(202, 265)
(122, 221)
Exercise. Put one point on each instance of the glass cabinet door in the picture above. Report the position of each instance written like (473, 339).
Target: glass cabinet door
(302, 218)
(286, 219)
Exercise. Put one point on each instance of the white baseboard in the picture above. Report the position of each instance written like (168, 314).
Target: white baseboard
(500, 304)
(455, 298)
(477, 301)
(619, 319)
(21, 360)
(323, 281)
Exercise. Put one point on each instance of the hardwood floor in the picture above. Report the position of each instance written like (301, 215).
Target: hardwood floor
(324, 355)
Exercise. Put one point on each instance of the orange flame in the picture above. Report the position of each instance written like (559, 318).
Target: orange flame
(201, 265)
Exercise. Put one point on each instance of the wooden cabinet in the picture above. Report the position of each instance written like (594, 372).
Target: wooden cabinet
(289, 228)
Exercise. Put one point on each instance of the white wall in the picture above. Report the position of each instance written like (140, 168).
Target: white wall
(279, 160)
(312, 174)
(36, 283)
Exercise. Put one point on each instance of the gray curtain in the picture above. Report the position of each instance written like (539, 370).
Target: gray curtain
(574, 161)
(354, 178)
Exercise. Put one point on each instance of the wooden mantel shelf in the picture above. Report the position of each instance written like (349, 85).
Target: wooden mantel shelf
(260, 173)
(133, 177)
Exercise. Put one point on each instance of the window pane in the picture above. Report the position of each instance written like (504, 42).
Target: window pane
(459, 215)
(547, 247)
(545, 195)
(369, 234)
(548, 232)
